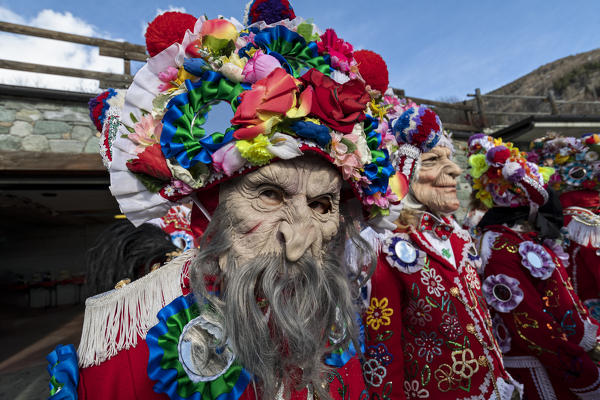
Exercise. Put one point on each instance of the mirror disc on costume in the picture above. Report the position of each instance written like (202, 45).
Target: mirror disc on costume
(577, 173)
(534, 260)
(502, 292)
(405, 252)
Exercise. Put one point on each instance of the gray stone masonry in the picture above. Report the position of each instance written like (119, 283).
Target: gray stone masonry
(46, 125)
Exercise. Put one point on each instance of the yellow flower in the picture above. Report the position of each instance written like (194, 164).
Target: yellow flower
(561, 159)
(255, 150)
(546, 173)
(478, 165)
(485, 197)
(378, 313)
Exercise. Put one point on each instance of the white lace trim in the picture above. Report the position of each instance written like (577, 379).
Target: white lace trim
(485, 248)
(590, 330)
(538, 373)
(584, 227)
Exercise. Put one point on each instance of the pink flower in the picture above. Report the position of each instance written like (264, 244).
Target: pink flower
(339, 50)
(228, 159)
(259, 67)
(147, 132)
(349, 162)
(182, 187)
(167, 76)
(381, 200)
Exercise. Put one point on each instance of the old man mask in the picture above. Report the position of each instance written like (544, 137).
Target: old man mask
(275, 246)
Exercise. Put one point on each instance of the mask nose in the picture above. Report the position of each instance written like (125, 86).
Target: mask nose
(297, 239)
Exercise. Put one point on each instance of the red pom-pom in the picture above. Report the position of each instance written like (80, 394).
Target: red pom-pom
(373, 69)
(166, 29)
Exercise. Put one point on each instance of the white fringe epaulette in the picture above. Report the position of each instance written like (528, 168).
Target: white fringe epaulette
(114, 320)
(584, 227)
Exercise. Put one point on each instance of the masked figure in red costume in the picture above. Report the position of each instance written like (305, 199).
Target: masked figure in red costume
(543, 328)
(577, 165)
(428, 329)
(267, 306)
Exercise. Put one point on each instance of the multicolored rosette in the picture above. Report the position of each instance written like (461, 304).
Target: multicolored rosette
(502, 292)
(165, 365)
(502, 176)
(64, 372)
(401, 254)
(291, 89)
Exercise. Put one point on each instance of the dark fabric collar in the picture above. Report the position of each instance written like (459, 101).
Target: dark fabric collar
(548, 220)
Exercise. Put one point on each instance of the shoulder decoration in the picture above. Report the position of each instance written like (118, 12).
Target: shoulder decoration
(131, 312)
(185, 358)
(584, 227)
(536, 259)
(403, 255)
(502, 292)
(64, 374)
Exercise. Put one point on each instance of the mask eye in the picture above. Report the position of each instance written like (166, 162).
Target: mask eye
(271, 196)
(322, 205)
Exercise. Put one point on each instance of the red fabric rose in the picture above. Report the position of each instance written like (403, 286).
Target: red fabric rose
(151, 162)
(338, 106)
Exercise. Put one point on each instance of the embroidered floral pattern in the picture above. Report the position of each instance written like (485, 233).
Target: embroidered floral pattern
(413, 389)
(464, 363)
(432, 280)
(473, 278)
(378, 313)
(380, 353)
(418, 312)
(451, 327)
(374, 372)
(429, 345)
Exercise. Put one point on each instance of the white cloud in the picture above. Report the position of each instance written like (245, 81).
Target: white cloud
(53, 52)
(160, 11)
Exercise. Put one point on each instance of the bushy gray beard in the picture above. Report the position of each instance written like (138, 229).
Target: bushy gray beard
(305, 303)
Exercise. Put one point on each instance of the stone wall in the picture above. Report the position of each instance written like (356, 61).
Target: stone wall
(46, 126)
(464, 188)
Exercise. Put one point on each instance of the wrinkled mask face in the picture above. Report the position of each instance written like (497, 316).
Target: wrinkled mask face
(289, 207)
(435, 186)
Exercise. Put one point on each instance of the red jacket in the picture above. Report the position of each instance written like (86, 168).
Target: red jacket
(428, 329)
(541, 324)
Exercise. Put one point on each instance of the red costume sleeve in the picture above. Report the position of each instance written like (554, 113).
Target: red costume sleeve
(548, 323)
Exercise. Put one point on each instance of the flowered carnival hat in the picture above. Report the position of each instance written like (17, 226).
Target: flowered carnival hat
(292, 90)
(502, 176)
(577, 165)
(577, 179)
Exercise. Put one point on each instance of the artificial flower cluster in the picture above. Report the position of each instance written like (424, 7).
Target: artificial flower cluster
(500, 172)
(291, 90)
(576, 161)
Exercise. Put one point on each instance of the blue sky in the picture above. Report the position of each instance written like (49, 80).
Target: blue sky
(436, 49)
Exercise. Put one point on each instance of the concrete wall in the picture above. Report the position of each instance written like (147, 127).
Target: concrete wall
(46, 126)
